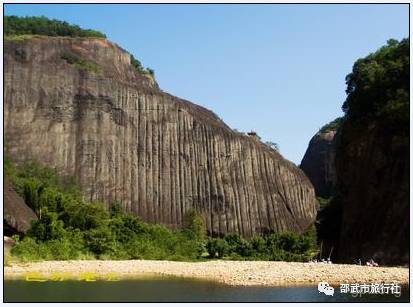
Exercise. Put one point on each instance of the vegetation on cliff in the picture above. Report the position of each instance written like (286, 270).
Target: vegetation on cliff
(377, 112)
(139, 67)
(14, 25)
(378, 86)
(82, 63)
(373, 157)
(70, 228)
(333, 125)
(20, 28)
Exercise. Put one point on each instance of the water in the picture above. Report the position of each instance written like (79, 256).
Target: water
(172, 290)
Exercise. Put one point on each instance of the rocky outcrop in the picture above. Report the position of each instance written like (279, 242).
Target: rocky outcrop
(319, 162)
(373, 192)
(17, 215)
(126, 140)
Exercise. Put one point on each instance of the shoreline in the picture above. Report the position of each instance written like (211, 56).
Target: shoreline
(232, 273)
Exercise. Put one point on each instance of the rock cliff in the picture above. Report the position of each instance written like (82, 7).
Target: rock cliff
(319, 162)
(17, 215)
(373, 186)
(80, 106)
(373, 158)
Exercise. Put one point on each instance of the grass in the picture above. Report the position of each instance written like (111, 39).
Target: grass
(82, 64)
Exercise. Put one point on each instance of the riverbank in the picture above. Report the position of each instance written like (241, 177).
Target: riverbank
(240, 273)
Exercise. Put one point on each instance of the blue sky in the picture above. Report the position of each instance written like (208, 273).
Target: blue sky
(276, 69)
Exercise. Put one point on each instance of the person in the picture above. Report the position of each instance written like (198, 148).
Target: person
(371, 262)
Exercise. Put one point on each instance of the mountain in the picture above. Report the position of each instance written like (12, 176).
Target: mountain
(368, 215)
(318, 162)
(82, 106)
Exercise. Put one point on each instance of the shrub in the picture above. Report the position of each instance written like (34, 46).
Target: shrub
(258, 245)
(116, 209)
(217, 247)
(139, 67)
(82, 64)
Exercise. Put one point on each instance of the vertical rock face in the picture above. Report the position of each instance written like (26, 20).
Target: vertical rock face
(126, 140)
(373, 186)
(319, 162)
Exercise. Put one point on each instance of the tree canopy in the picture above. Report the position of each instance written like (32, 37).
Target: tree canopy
(378, 86)
(333, 125)
(14, 25)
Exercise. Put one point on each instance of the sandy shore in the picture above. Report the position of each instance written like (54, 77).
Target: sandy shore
(246, 273)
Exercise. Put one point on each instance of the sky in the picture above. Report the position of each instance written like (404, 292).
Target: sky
(275, 69)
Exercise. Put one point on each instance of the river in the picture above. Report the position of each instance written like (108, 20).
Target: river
(173, 290)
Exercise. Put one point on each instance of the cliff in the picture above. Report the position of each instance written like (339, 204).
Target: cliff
(372, 202)
(373, 186)
(79, 105)
(318, 162)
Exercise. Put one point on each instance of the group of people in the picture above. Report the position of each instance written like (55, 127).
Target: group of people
(370, 262)
(328, 261)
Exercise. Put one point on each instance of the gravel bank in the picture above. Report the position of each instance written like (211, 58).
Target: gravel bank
(246, 273)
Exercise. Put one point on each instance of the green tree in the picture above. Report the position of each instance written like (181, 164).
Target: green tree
(100, 240)
(194, 225)
(48, 227)
(379, 85)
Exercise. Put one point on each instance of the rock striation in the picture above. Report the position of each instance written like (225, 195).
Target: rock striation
(318, 162)
(77, 104)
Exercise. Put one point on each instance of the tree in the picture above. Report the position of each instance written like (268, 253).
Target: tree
(273, 146)
(100, 240)
(194, 225)
(151, 71)
(48, 227)
(378, 85)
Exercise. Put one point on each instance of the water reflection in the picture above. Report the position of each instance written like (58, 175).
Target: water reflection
(172, 290)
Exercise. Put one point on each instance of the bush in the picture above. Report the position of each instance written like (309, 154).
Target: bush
(217, 248)
(333, 125)
(82, 64)
(239, 246)
(116, 209)
(139, 67)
